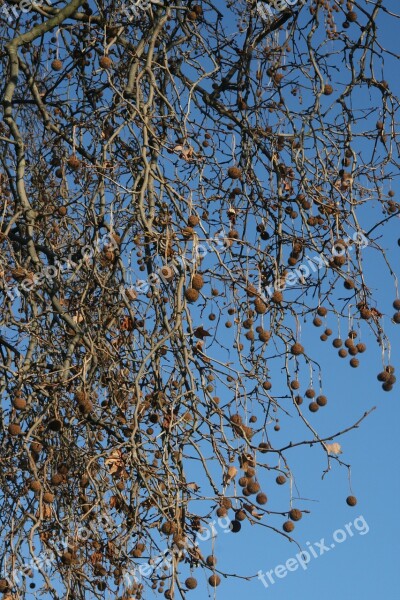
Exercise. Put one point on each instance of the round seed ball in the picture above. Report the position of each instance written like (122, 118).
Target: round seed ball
(191, 295)
(14, 429)
(19, 403)
(261, 498)
(214, 580)
(351, 500)
(191, 583)
(56, 65)
(295, 514)
(288, 526)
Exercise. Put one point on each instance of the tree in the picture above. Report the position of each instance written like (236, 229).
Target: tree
(182, 187)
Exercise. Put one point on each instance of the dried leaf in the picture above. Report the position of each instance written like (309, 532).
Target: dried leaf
(334, 448)
(115, 462)
(230, 475)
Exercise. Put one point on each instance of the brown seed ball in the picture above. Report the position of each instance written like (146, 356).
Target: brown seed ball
(191, 295)
(295, 384)
(188, 233)
(288, 526)
(337, 343)
(323, 337)
(351, 16)
(191, 583)
(342, 353)
(261, 498)
(253, 487)
(295, 514)
(396, 304)
(349, 284)
(234, 172)
(322, 400)
(351, 500)
(56, 65)
(221, 511)
(348, 342)
(354, 362)
(281, 479)
(365, 313)
(14, 429)
(310, 393)
(277, 297)
(328, 332)
(396, 317)
(57, 479)
(197, 281)
(328, 89)
(317, 322)
(3, 585)
(35, 486)
(105, 62)
(19, 403)
(66, 558)
(214, 580)
(313, 407)
(211, 560)
(243, 481)
(260, 307)
(353, 350)
(264, 447)
(236, 419)
(36, 447)
(264, 336)
(62, 211)
(361, 347)
(226, 502)
(73, 162)
(48, 497)
(240, 515)
(267, 385)
(387, 387)
(298, 400)
(322, 311)
(168, 528)
(193, 220)
(297, 349)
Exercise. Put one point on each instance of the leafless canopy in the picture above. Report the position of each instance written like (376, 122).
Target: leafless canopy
(183, 188)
